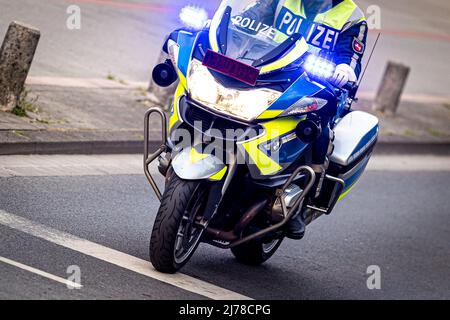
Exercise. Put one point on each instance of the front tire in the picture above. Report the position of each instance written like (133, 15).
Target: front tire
(256, 252)
(182, 202)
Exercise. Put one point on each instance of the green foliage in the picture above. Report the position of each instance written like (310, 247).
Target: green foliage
(25, 105)
(410, 133)
(436, 133)
(19, 112)
(111, 77)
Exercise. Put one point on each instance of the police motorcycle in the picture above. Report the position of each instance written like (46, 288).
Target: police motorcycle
(237, 144)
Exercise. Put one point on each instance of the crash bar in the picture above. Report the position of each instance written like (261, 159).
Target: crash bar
(149, 158)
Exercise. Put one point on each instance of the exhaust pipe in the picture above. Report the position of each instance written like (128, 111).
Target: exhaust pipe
(249, 216)
(236, 233)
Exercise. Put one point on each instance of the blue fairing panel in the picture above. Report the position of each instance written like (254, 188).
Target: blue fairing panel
(186, 41)
(300, 88)
(289, 151)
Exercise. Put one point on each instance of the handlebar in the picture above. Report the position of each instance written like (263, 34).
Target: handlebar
(350, 87)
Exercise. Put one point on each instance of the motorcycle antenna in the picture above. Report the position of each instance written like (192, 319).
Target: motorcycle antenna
(370, 58)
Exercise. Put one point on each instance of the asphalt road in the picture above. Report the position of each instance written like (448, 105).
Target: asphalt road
(124, 37)
(397, 218)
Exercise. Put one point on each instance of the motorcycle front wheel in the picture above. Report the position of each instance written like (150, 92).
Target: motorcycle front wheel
(175, 235)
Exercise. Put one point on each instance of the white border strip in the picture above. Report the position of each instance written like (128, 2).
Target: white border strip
(117, 258)
(41, 273)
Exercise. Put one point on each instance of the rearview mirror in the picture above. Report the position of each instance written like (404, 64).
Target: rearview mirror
(164, 74)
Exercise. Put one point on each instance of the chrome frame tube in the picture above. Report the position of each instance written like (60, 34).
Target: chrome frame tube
(149, 158)
(342, 184)
(288, 214)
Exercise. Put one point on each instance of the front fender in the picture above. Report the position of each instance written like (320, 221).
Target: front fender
(190, 164)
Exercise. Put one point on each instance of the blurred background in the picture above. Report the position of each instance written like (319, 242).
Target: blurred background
(124, 37)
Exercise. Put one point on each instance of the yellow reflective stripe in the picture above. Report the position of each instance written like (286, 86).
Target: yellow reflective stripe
(361, 20)
(338, 16)
(301, 47)
(280, 37)
(274, 129)
(346, 192)
(182, 79)
(219, 175)
(302, 9)
(270, 114)
(195, 156)
(279, 127)
(264, 163)
(295, 6)
(174, 118)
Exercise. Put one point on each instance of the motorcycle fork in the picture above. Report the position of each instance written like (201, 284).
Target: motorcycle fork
(218, 189)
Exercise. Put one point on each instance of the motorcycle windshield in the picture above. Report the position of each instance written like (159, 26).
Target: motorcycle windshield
(249, 30)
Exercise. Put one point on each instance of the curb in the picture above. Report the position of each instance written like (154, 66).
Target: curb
(137, 147)
(76, 147)
(413, 148)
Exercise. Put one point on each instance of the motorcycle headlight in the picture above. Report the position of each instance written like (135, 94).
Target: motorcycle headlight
(242, 104)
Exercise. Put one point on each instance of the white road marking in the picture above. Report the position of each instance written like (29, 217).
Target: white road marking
(84, 165)
(41, 273)
(117, 258)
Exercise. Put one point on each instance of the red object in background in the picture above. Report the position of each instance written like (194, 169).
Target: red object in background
(230, 67)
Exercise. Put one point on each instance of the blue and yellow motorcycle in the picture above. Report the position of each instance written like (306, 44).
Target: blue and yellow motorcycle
(238, 142)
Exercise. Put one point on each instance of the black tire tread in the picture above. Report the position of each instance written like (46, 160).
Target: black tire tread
(174, 201)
